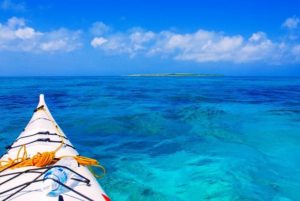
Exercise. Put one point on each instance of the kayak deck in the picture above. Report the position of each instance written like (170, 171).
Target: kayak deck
(42, 134)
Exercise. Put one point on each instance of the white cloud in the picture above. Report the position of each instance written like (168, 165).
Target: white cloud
(61, 40)
(201, 46)
(15, 35)
(257, 48)
(131, 43)
(10, 5)
(15, 22)
(26, 33)
(98, 41)
(99, 28)
(53, 45)
(258, 36)
(291, 23)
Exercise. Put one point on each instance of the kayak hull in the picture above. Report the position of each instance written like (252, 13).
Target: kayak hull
(42, 134)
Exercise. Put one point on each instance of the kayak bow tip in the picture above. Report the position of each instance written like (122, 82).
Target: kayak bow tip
(41, 100)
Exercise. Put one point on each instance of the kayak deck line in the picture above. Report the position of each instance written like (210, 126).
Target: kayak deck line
(40, 133)
(41, 140)
(33, 156)
(39, 119)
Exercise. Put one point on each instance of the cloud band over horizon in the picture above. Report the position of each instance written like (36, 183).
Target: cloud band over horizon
(201, 46)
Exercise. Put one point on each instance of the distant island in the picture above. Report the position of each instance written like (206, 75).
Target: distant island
(175, 75)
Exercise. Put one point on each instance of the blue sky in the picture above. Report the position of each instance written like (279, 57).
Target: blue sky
(109, 37)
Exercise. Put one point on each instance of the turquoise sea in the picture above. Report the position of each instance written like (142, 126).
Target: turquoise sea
(173, 138)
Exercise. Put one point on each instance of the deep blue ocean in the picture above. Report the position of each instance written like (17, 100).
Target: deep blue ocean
(173, 138)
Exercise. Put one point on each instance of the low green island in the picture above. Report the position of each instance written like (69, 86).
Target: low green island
(175, 75)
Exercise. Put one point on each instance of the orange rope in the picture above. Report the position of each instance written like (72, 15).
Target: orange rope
(46, 158)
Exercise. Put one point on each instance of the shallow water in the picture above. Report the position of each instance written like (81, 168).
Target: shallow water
(173, 138)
